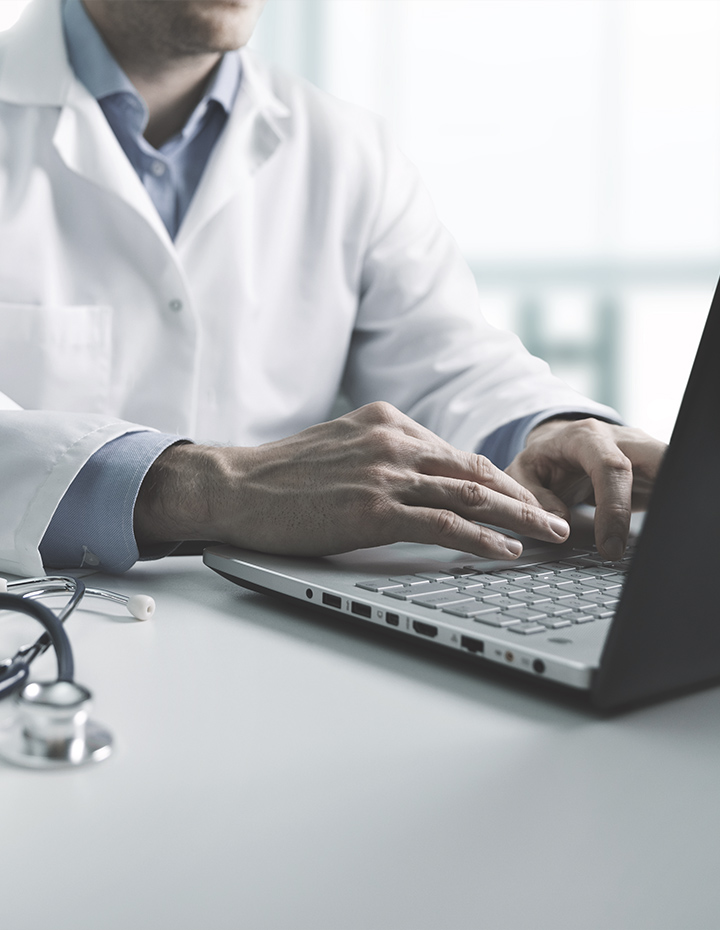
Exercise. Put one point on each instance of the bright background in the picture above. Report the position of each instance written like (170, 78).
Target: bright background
(571, 146)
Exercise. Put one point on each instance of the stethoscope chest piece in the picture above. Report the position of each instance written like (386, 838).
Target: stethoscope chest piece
(52, 729)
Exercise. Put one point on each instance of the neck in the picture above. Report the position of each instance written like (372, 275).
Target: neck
(170, 83)
(171, 92)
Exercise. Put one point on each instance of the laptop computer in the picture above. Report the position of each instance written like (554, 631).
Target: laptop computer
(623, 632)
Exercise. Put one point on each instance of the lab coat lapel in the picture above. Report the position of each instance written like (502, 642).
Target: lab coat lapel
(36, 72)
(251, 135)
(86, 143)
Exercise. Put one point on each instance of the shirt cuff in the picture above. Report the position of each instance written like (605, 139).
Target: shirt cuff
(507, 441)
(93, 524)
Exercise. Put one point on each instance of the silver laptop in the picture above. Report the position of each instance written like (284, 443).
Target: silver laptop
(624, 632)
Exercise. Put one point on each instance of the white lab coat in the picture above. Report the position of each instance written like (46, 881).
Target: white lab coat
(310, 259)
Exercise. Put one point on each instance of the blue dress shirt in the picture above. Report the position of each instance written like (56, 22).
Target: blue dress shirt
(93, 524)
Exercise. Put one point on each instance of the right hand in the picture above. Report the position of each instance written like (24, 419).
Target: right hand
(371, 477)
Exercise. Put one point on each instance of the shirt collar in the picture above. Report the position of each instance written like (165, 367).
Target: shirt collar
(93, 64)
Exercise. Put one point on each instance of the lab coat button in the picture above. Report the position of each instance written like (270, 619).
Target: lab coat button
(158, 169)
(176, 305)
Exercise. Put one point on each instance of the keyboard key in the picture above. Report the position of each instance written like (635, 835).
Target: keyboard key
(403, 593)
(441, 600)
(409, 579)
(525, 613)
(605, 600)
(541, 572)
(515, 575)
(609, 584)
(579, 588)
(498, 600)
(436, 576)
(472, 610)
(428, 587)
(530, 597)
(496, 619)
(558, 567)
(527, 628)
(486, 578)
(378, 584)
(557, 609)
(602, 571)
(577, 616)
(555, 623)
(579, 576)
(532, 584)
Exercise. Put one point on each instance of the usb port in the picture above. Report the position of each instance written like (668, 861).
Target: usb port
(392, 619)
(362, 610)
(472, 645)
(332, 600)
(425, 629)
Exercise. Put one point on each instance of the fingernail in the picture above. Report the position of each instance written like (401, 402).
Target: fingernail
(613, 549)
(559, 526)
(514, 546)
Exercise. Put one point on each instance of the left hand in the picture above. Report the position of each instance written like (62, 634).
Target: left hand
(568, 462)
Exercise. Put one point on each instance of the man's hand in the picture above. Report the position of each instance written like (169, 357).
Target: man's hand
(567, 462)
(369, 478)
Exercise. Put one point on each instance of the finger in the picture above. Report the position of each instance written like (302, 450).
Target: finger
(438, 527)
(479, 502)
(646, 455)
(610, 472)
(467, 466)
(546, 498)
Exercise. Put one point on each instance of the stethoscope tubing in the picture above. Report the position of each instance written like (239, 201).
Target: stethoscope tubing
(17, 671)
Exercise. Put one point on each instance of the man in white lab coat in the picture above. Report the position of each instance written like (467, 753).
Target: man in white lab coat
(196, 255)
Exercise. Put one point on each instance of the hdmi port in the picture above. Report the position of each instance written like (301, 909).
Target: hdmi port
(425, 629)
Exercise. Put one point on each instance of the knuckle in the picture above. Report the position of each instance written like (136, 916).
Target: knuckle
(383, 442)
(473, 495)
(377, 480)
(380, 411)
(484, 468)
(528, 513)
(614, 461)
(590, 425)
(618, 512)
(447, 523)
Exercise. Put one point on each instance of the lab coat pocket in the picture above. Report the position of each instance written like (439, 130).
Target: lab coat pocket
(56, 358)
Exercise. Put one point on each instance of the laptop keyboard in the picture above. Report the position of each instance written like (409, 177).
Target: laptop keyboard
(530, 599)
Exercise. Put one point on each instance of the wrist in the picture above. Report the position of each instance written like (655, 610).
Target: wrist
(552, 426)
(180, 497)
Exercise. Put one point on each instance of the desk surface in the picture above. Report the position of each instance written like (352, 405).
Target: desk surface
(276, 769)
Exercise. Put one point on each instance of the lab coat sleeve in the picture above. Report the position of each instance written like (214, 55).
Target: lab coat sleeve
(93, 524)
(420, 339)
(42, 452)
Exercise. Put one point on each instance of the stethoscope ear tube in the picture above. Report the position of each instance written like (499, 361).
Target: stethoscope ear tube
(54, 629)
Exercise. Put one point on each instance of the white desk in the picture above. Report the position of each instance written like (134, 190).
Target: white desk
(276, 771)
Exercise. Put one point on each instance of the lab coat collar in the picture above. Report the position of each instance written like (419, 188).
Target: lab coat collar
(35, 70)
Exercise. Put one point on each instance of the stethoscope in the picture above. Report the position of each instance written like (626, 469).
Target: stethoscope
(52, 728)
